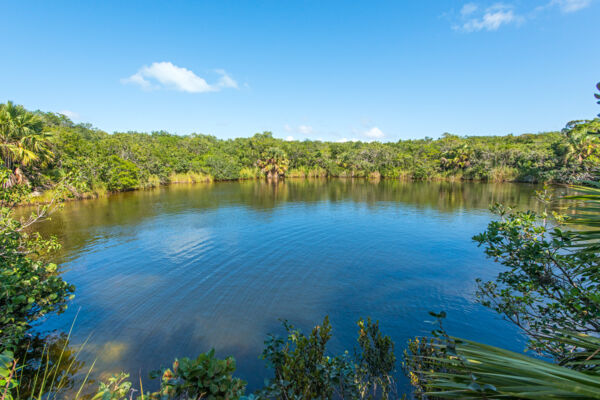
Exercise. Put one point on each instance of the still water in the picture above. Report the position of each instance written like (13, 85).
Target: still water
(182, 269)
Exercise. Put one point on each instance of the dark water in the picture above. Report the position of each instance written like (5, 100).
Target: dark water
(179, 270)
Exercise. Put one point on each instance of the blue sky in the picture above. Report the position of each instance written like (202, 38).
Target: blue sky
(330, 70)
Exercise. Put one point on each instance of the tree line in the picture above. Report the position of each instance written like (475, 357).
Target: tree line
(43, 148)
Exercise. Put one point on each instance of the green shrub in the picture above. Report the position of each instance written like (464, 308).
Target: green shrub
(205, 377)
(303, 369)
(30, 286)
(222, 167)
(121, 175)
(544, 287)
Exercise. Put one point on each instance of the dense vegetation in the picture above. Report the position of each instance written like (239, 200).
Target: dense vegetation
(43, 148)
(549, 285)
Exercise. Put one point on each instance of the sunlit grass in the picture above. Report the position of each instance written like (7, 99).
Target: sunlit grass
(190, 177)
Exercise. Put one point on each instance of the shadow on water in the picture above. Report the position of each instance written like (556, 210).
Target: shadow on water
(178, 270)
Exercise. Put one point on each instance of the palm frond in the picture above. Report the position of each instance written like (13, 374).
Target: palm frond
(472, 370)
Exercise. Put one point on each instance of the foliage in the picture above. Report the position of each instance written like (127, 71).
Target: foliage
(375, 362)
(587, 214)
(43, 370)
(30, 286)
(419, 357)
(121, 174)
(545, 288)
(273, 162)
(123, 161)
(550, 289)
(22, 141)
(115, 388)
(580, 145)
(464, 369)
(205, 377)
(301, 367)
(8, 380)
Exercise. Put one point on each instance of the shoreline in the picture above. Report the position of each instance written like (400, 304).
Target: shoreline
(98, 195)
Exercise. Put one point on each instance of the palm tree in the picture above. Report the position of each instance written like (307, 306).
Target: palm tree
(22, 140)
(456, 158)
(581, 141)
(273, 163)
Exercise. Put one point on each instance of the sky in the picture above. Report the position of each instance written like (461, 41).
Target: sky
(319, 70)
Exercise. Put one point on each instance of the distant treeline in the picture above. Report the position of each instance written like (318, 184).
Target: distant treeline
(97, 161)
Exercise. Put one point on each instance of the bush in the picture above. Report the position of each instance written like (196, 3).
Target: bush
(205, 377)
(303, 369)
(546, 287)
(30, 286)
(122, 175)
(222, 167)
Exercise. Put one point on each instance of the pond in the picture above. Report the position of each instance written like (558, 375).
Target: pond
(179, 270)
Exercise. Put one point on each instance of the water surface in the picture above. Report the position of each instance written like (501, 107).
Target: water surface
(182, 269)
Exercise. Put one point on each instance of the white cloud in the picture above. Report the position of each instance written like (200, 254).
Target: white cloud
(225, 81)
(493, 18)
(568, 6)
(166, 75)
(69, 114)
(468, 9)
(289, 138)
(305, 129)
(374, 133)
(473, 18)
(344, 140)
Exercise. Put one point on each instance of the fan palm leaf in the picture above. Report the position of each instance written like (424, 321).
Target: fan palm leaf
(472, 370)
(587, 215)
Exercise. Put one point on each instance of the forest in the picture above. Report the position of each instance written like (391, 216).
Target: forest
(44, 148)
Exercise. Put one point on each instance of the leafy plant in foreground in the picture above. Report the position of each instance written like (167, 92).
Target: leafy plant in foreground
(375, 362)
(466, 369)
(30, 286)
(545, 288)
(205, 377)
(303, 369)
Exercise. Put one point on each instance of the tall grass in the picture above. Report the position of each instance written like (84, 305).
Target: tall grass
(249, 173)
(190, 177)
(50, 380)
(305, 172)
(503, 174)
(152, 182)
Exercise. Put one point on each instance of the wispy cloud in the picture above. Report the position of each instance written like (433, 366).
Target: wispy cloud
(166, 75)
(473, 17)
(344, 140)
(489, 19)
(289, 138)
(374, 133)
(468, 9)
(568, 6)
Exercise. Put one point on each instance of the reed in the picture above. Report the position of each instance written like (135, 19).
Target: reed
(503, 174)
(249, 173)
(190, 177)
